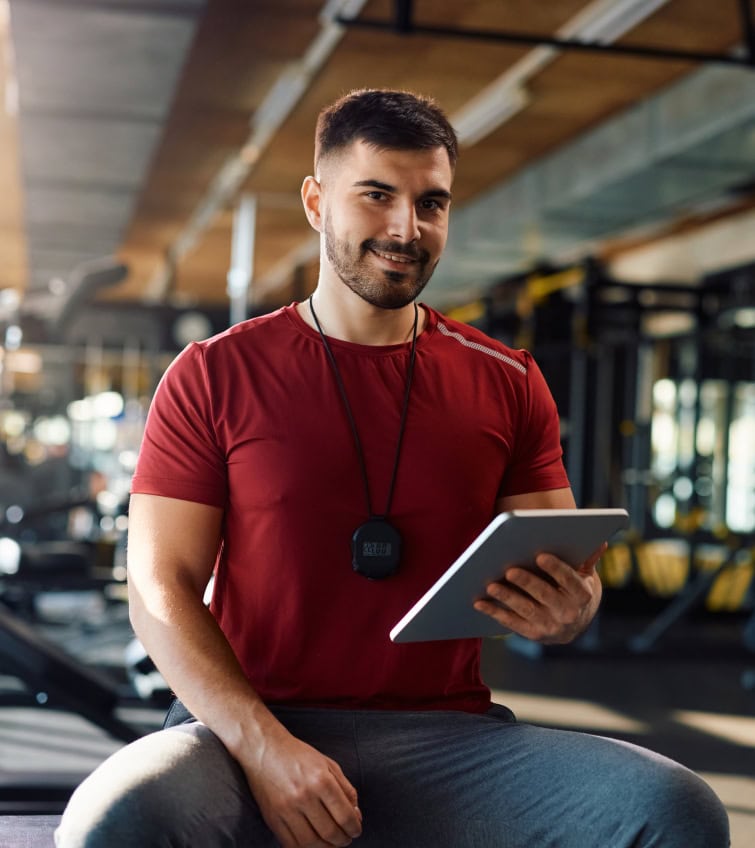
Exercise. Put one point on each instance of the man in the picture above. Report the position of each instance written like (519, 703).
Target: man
(328, 462)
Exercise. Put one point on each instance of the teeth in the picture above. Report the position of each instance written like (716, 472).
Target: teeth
(393, 257)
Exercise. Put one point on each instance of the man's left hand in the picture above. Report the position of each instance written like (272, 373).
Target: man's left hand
(551, 611)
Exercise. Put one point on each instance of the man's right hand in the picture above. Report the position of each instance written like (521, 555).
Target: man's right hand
(303, 795)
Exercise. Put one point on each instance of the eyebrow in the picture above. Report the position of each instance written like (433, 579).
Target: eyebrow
(433, 192)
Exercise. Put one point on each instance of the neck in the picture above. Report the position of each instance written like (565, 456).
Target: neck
(354, 320)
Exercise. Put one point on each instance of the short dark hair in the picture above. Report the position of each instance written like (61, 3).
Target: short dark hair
(387, 119)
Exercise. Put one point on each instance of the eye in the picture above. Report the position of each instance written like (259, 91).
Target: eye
(376, 195)
(430, 204)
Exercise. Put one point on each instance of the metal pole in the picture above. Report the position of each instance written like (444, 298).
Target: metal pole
(748, 30)
(641, 442)
(403, 15)
(242, 257)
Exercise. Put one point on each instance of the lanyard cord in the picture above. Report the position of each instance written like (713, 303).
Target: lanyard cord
(347, 407)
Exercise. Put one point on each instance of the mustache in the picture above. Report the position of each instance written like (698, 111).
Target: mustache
(410, 251)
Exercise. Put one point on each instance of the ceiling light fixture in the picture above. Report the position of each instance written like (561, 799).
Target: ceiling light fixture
(602, 21)
(605, 21)
(490, 109)
(272, 112)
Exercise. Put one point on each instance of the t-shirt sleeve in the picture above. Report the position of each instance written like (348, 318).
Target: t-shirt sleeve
(180, 456)
(537, 461)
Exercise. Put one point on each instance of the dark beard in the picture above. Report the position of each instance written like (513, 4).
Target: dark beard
(385, 289)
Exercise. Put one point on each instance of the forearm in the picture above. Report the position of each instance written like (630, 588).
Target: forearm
(188, 647)
(303, 796)
(172, 547)
(301, 793)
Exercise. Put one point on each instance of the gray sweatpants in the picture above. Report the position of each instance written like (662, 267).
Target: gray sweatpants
(424, 780)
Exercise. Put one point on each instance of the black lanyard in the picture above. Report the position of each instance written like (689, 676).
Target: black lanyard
(376, 544)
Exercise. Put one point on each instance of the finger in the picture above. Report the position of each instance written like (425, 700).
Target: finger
(332, 813)
(504, 617)
(517, 599)
(343, 782)
(342, 810)
(544, 607)
(540, 585)
(590, 564)
(310, 826)
(508, 619)
(316, 818)
(562, 575)
(519, 604)
(350, 793)
(294, 832)
(574, 588)
(326, 828)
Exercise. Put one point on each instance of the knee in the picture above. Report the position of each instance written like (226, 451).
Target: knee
(685, 811)
(173, 787)
(129, 797)
(77, 830)
(95, 819)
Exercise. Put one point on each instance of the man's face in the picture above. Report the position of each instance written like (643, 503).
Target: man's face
(384, 217)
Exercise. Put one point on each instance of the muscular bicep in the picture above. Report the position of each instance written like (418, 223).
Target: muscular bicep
(550, 499)
(171, 542)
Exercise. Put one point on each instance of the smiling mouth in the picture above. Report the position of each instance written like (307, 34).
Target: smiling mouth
(394, 257)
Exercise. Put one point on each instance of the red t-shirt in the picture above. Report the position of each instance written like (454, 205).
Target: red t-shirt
(252, 421)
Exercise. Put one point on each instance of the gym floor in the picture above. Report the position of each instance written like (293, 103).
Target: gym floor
(690, 698)
(687, 698)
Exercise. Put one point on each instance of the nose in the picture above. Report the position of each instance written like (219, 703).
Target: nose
(403, 224)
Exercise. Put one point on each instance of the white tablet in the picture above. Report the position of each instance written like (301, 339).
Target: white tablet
(445, 611)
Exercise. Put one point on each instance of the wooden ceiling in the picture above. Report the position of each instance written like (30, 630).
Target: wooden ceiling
(242, 48)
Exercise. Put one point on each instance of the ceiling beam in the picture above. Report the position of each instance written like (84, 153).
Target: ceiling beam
(135, 7)
(408, 28)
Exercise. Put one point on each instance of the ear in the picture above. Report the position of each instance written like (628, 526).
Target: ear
(311, 194)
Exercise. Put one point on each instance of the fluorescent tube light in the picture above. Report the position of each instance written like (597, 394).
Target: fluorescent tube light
(602, 21)
(493, 106)
(275, 108)
(607, 20)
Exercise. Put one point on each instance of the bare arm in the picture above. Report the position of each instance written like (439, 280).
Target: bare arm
(555, 611)
(551, 499)
(303, 796)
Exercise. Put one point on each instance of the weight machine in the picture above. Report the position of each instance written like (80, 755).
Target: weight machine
(605, 346)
